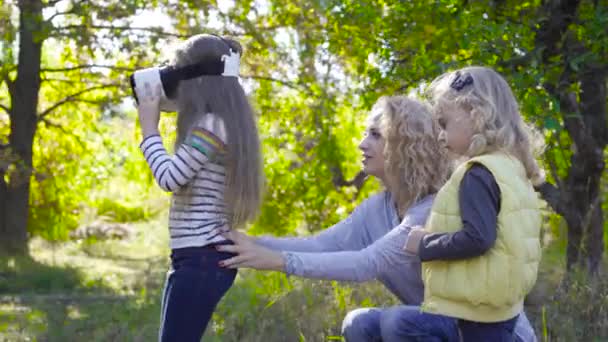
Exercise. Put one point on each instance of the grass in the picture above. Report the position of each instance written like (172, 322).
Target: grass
(110, 291)
(102, 291)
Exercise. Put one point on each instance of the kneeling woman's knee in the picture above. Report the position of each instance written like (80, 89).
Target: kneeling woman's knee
(389, 321)
(395, 321)
(361, 325)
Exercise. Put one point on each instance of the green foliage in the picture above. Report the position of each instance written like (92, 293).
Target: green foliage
(63, 175)
(26, 275)
(313, 69)
(90, 170)
(330, 61)
(578, 312)
(111, 290)
(268, 307)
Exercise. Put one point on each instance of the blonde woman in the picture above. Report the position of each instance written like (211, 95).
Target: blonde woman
(215, 177)
(400, 148)
(483, 234)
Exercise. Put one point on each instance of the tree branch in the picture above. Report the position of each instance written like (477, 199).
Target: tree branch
(89, 83)
(550, 32)
(275, 80)
(554, 174)
(56, 14)
(52, 2)
(64, 130)
(5, 108)
(519, 61)
(9, 83)
(71, 10)
(339, 181)
(551, 194)
(87, 66)
(154, 30)
(73, 97)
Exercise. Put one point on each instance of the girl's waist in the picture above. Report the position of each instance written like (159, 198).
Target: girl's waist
(199, 256)
(197, 233)
(195, 221)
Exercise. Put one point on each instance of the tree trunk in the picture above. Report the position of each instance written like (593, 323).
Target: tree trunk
(585, 122)
(593, 106)
(23, 116)
(584, 116)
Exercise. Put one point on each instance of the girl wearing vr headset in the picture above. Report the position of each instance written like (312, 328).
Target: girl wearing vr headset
(215, 174)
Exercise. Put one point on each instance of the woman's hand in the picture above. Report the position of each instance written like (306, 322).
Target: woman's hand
(148, 110)
(250, 254)
(412, 243)
(235, 234)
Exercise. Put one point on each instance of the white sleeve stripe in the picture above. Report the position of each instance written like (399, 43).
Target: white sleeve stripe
(147, 148)
(175, 180)
(157, 168)
(191, 156)
(149, 144)
(186, 163)
(149, 155)
(181, 159)
(159, 160)
(194, 153)
(180, 171)
(150, 140)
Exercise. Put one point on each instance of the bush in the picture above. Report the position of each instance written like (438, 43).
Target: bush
(265, 306)
(578, 311)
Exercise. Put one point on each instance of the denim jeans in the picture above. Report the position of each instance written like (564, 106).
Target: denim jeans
(362, 324)
(195, 284)
(396, 323)
(495, 332)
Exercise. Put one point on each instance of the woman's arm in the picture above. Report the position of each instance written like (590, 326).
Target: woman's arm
(383, 256)
(348, 234)
(324, 241)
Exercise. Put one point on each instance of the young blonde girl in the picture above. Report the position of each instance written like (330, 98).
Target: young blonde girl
(480, 247)
(215, 176)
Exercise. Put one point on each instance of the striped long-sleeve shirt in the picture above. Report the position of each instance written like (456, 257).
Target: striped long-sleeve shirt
(195, 175)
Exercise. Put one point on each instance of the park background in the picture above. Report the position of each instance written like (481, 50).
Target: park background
(83, 238)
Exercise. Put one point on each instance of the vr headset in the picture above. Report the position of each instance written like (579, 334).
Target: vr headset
(169, 77)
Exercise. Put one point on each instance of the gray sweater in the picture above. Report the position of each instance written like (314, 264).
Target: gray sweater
(362, 247)
(368, 245)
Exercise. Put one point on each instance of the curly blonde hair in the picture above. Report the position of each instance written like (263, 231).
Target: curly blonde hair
(494, 111)
(415, 163)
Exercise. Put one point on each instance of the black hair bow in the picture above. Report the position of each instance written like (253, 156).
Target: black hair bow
(461, 80)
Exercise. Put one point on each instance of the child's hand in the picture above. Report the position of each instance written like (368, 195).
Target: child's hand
(413, 240)
(148, 110)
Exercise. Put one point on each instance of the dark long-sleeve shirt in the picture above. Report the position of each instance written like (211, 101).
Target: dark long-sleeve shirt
(479, 198)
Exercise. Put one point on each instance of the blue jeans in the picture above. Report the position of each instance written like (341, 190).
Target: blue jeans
(498, 332)
(390, 324)
(398, 323)
(194, 286)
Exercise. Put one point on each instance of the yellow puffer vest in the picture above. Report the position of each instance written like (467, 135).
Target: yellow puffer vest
(491, 287)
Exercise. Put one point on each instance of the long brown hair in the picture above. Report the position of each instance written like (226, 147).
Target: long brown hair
(224, 97)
